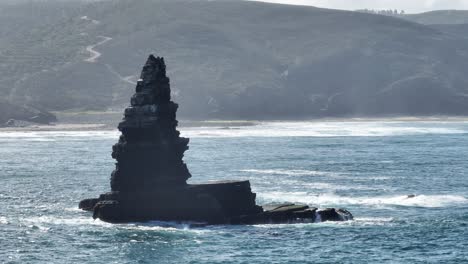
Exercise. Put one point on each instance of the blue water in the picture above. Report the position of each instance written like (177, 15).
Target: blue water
(368, 168)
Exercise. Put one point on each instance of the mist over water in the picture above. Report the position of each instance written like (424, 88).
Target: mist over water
(369, 168)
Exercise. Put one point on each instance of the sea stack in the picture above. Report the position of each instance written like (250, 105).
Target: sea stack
(150, 178)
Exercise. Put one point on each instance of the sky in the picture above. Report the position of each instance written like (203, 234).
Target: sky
(410, 6)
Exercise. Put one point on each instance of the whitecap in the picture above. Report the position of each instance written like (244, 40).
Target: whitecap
(4, 220)
(334, 187)
(372, 221)
(290, 172)
(279, 226)
(63, 221)
(73, 209)
(269, 129)
(430, 201)
(55, 135)
(329, 129)
(363, 221)
(168, 226)
(164, 226)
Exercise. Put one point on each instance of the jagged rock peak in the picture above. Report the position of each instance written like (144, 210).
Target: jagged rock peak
(153, 86)
(154, 68)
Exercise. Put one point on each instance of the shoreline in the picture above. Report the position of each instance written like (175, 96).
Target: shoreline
(67, 126)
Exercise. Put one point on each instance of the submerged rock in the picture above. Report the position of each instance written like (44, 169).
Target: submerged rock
(150, 178)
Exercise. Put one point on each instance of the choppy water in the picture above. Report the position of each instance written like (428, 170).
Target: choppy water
(368, 168)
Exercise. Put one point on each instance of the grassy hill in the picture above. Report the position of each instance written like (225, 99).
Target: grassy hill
(232, 59)
(440, 17)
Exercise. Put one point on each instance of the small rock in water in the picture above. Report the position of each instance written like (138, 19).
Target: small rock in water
(332, 214)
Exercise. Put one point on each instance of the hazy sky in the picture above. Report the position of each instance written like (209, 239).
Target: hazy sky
(411, 6)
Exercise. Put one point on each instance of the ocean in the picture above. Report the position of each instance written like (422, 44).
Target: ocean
(369, 168)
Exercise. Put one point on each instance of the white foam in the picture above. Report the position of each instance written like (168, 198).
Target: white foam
(163, 226)
(334, 187)
(64, 221)
(362, 221)
(73, 209)
(325, 200)
(272, 129)
(55, 135)
(41, 223)
(290, 172)
(365, 221)
(4, 220)
(329, 129)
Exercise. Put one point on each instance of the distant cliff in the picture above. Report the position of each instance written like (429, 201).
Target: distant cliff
(233, 59)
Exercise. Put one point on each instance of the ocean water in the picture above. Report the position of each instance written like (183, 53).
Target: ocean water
(368, 168)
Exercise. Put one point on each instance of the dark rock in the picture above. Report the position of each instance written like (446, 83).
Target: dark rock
(150, 177)
(110, 211)
(88, 204)
(286, 213)
(332, 214)
(149, 152)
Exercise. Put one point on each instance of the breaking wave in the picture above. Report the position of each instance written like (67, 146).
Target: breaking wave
(50, 220)
(272, 129)
(55, 135)
(323, 200)
(3, 220)
(44, 223)
(328, 129)
(290, 172)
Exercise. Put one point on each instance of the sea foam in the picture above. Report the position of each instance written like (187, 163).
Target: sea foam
(324, 200)
(3, 220)
(57, 135)
(271, 129)
(327, 129)
(290, 172)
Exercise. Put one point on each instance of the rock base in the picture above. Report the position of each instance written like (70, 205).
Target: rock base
(292, 214)
(213, 203)
(150, 177)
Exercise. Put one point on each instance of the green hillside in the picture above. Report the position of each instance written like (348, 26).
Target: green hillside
(440, 17)
(232, 59)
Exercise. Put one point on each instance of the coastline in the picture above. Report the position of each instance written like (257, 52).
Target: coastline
(100, 126)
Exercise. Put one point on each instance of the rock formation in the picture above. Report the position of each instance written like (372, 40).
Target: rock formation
(149, 152)
(150, 178)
